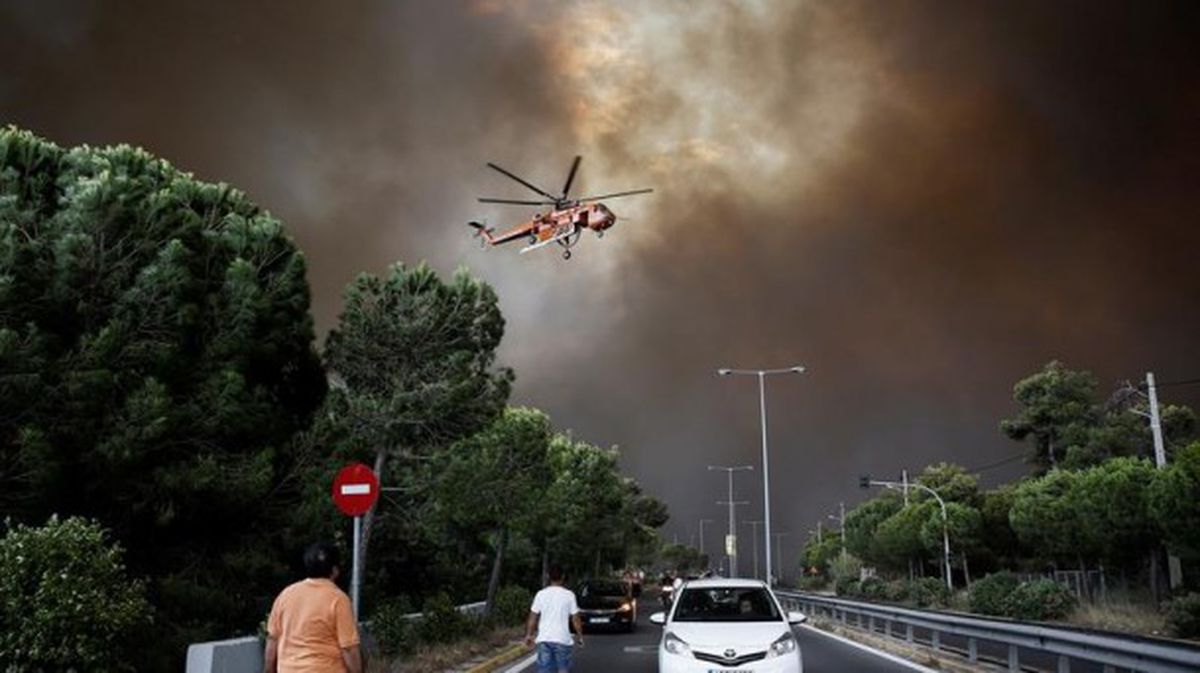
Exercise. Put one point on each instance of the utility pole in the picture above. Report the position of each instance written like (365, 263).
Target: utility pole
(754, 542)
(1174, 569)
(841, 519)
(731, 539)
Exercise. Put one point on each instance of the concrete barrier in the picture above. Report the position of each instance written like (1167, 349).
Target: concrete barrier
(245, 655)
(239, 655)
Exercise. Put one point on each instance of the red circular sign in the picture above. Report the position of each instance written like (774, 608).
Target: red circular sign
(355, 489)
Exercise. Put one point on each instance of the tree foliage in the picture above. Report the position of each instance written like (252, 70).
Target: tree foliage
(155, 359)
(1172, 501)
(1057, 406)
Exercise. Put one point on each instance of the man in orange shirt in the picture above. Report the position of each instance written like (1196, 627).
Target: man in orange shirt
(311, 628)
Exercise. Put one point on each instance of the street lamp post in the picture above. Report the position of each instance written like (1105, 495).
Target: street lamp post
(731, 540)
(762, 409)
(867, 482)
(702, 522)
(754, 542)
(778, 555)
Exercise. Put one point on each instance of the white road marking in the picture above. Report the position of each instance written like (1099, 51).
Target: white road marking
(356, 489)
(521, 665)
(871, 650)
(641, 649)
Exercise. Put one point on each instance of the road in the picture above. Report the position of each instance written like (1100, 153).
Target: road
(637, 652)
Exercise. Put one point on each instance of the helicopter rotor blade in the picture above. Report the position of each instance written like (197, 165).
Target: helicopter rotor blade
(571, 175)
(614, 195)
(517, 202)
(510, 175)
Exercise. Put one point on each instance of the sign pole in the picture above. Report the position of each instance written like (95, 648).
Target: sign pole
(355, 575)
(355, 490)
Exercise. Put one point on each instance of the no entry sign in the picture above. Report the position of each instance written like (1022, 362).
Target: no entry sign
(355, 489)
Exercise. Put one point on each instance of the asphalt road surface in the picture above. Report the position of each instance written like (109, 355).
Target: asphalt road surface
(637, 652)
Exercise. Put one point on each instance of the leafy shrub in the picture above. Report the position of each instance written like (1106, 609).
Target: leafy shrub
(394, 633)
(811, 583)
(1183, 616)
(928, 592)
(872, 589)
(441, 622)
(512, 605)
(846, 586)
(896, 591)
(1039, 600)
(65, 601)
(987, 595)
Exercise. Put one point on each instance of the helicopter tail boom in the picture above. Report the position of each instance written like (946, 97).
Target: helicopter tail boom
(482, 230)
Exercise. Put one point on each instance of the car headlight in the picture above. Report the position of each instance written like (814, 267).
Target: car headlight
(675, 645)
(785, 645)
(625, 607)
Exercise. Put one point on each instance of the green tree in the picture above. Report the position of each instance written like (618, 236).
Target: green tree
(1172, 499)
(1112, 507)
(964, 524)
(862, 523)
(66, 602)
(413, 363)
(819, 554)
(494, 480)
(1057, 409)
(1002, 547)
(952, 483)
(583, 507)
(156, 357)
(682, 558)
(1049, 521)
(898, 538)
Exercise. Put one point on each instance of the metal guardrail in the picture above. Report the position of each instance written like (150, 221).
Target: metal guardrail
(1112, 651)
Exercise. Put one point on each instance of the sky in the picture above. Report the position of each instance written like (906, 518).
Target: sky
(920, 202)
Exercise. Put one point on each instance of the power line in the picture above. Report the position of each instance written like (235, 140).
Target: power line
(999, 463)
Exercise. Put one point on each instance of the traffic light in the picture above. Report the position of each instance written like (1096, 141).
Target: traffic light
(864, 481)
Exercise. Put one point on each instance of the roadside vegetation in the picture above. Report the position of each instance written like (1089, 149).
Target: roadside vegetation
(161, 390)
(1084, 537)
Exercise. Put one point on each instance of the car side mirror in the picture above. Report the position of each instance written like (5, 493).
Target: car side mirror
(659, 618)
(795, 618)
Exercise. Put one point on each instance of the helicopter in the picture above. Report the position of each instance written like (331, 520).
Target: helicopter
(564, 224)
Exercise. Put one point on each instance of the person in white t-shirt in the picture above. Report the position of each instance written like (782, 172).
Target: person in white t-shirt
(554, 610)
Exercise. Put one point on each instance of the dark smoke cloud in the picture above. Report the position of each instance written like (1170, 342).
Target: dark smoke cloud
(922, 202)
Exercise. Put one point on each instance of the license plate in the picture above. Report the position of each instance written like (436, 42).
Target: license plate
(730, 670)
(599, 620)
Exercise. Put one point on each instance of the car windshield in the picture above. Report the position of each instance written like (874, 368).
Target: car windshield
(726, 604)
(601, 588)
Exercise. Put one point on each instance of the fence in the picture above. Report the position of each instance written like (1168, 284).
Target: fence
(1010, 642)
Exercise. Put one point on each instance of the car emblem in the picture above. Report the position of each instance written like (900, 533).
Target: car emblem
(729, 654)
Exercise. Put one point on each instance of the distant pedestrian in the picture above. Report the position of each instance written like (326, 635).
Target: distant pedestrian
(553, 612)
(311, 628)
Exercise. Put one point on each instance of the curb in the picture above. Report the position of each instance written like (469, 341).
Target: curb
(512, 653)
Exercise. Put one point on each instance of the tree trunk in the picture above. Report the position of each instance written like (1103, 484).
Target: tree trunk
(596, 571)
(966, 571)
(546, 562)
(1084, 589)
(497, 564)
(1156, 588)
(369, 518)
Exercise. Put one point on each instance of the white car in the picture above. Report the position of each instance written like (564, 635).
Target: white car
(727, 626)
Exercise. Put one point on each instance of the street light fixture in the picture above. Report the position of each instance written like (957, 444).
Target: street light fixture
(762, 374)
